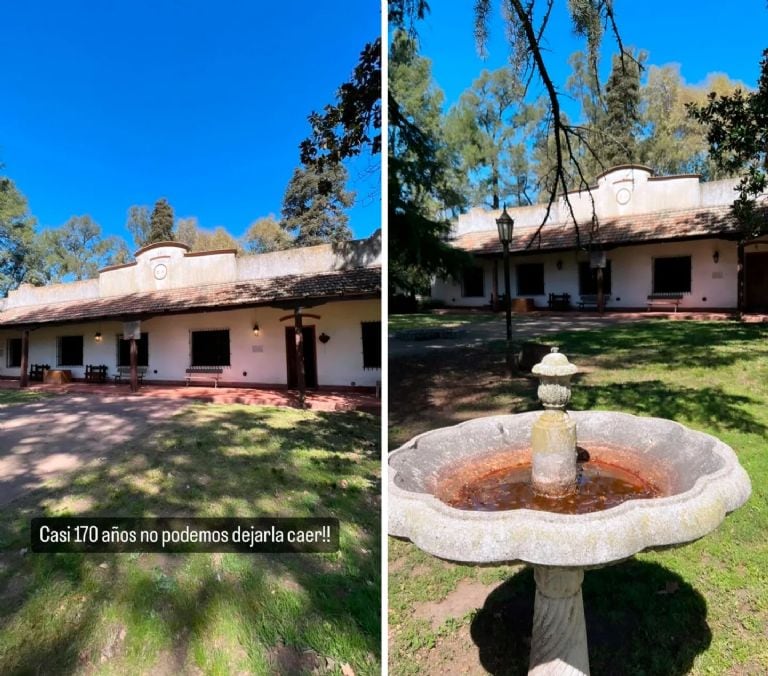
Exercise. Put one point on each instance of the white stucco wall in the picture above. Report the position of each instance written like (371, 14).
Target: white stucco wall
(713, 285)
(255, 360)
(179, 270)
(170, 265)
(27, 294)
(622, 191)
(318, 258)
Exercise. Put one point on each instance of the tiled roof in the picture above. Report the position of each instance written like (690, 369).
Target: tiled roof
(344, 284)
(618, 231)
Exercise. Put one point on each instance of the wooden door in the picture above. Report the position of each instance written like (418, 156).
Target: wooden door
(310, 356)
(756, 281)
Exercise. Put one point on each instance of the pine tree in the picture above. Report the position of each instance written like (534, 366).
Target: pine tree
(314, 204)
(161, 222)
(489, 127)
(423, 184)
(621, 126)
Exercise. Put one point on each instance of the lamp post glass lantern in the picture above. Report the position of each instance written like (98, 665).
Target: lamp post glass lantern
(505, 224)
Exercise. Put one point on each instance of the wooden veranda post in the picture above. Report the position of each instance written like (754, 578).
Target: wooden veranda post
(740, 300)
(600, 292)
(24, 376)
(299, 333)
(134, 365)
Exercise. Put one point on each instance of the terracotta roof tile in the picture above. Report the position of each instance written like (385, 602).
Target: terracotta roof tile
(359, 282)
(635, 229)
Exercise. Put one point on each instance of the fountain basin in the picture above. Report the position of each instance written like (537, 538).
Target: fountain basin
(698, 478)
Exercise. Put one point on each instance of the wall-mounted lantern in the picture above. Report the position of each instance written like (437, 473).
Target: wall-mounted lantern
(256, 329)
(323, 338)
(97, 337)
(716, 257)
(559, 264)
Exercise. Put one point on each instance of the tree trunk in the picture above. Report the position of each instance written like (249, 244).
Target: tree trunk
(600, 295)
(299, 332)
(134, 366)
(740, 300)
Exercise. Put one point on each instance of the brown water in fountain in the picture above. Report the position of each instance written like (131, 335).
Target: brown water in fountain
(599, 486)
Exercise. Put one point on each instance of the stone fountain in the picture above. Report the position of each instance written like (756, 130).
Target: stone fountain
(519, 488)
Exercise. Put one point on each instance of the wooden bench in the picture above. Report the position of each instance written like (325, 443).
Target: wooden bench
(590, 300)
(96, 374)
(664, 300)
(204, 373)
(124, 373)
(37, 371)
(559, 301)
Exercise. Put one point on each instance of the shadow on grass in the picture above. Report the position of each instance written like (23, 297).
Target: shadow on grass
(427, 393)
(674, 344)
(707, 406)
(56, 610)
(641, 619)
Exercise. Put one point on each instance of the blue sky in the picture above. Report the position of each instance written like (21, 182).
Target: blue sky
(702, 37)
(109, 104)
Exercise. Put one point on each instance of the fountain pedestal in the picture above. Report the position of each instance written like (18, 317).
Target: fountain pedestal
(553, 438)
(559, 639)
(553, 454)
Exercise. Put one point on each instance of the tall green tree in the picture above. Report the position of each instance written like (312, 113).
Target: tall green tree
(161, 222)
(314, 204)
(489, 127)
(353, 122)
(673, 142)
(139, 224)
(619, 131)
(423, 190)
(20, 254)
(528, 27)
(609, 131)
(737, 133)
(420, 98)
(77, 250)
(266, 234)
(189, 232)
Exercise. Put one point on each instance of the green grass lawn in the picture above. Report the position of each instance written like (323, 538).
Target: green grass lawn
(700, 609)
(205, 613)
(8, 397)
(437, 320)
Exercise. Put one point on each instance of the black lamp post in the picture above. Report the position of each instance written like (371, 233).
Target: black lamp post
(505, 224)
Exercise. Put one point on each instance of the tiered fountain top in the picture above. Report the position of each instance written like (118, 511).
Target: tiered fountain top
(554, 364)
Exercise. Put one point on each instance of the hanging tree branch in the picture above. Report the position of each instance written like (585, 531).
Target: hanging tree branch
(588, 17)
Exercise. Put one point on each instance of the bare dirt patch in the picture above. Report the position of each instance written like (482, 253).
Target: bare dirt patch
(455, 653)
(290, 661)
(469, 595)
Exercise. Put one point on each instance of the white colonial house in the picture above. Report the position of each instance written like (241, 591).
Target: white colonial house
(665, 242)
(225, 317)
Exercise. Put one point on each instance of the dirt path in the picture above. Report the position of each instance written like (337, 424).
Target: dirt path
(524, 328)
(46, 438)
